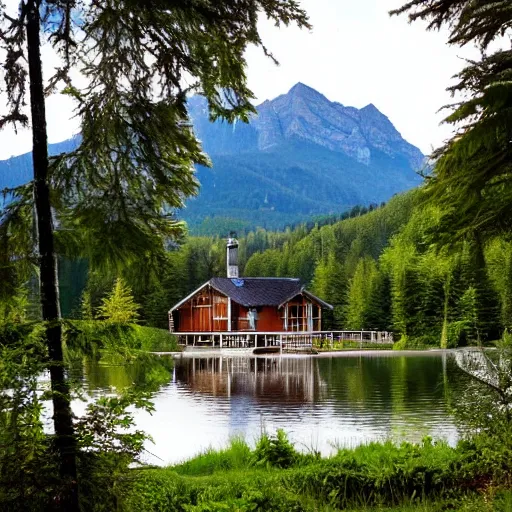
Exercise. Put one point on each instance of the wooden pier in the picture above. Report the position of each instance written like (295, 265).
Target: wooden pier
(286, 341)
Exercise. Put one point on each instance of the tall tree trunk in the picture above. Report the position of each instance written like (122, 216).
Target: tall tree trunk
(62, 418)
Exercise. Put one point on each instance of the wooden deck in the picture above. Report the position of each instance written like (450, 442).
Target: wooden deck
(286, 341)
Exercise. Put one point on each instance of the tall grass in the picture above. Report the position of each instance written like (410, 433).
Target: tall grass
(236, 456)
(275, 477)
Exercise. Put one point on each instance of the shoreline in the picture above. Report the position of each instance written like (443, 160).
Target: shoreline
(248, 352)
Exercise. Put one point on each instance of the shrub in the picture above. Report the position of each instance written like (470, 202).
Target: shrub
(153, 339)
(89, 336)
(276, 451)
(379, 474)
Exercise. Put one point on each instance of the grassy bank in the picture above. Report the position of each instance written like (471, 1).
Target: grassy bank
(275, 477)
(110, 335)
(91, 335)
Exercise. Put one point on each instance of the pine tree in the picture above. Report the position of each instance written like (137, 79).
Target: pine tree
(499, 258)
(361, 292)
(329, 283)
(471, 175)
(86, 306)
(119, 306)
(136, 157)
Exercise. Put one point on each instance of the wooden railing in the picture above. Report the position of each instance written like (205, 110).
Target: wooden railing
(287, 341)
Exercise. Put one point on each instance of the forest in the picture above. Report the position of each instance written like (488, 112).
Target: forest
(380, 268)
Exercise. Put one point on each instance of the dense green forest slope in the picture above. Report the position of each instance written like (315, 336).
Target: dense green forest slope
(378, 268)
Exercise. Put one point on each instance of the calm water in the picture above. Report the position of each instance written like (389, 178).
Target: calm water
(321, 402)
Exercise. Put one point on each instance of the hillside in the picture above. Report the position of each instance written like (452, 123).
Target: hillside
(301, 156)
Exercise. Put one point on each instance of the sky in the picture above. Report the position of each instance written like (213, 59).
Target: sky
(355, 54)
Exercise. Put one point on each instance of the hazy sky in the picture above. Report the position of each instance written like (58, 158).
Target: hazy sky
(356, 54)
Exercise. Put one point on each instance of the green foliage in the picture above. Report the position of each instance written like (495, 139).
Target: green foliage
(14, 309)
(491, 378)
(324, 345)
(116, 187)
(469, 314)
(107, 441)
(86, 307)
(362, 292)
(119, 306)
(454, 333)
(429, 476)
(377, 270)
(88, 337)
(470, 179)
(107, 425)
(250, 490)
(498, 255)
(382, 474)
(237, 456)
(275, 451)
(114, 193)
(28, 466)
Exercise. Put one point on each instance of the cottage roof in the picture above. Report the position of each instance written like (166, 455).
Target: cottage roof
(258, 291)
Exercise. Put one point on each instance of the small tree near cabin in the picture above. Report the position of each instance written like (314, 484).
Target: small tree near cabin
(119, 306)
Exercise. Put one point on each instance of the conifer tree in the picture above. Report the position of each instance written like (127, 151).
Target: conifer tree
(471, 178)
(329, 283)
(86, 311)
(119, 306)
(137, 152)
(499, 258)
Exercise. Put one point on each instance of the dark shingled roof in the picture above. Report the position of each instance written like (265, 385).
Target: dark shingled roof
(258, 291)
(261, 291)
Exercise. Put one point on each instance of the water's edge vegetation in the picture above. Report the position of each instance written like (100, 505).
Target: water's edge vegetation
(275, 476)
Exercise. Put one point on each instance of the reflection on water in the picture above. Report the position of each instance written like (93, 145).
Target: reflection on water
(321, 402)
(267, 380)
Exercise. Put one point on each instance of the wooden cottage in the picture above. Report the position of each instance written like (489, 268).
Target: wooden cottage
(247, 305)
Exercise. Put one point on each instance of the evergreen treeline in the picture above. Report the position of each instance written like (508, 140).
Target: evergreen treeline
(379, 270)
(213, 225)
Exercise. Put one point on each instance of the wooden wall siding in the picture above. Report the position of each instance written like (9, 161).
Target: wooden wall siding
(208, 312)
(184, 322)
(220, 313)
(239, 315)
(269, 319)
(205, 312)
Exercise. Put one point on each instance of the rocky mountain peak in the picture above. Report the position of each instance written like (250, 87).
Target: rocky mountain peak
(304, 115)
(304, 91)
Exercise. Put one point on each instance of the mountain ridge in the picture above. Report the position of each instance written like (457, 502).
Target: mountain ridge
(301, 155)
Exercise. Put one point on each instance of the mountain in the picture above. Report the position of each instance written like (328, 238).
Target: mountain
(18, 169)
(301, 155)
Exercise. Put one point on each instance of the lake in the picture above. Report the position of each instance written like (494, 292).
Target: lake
(322, 402)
